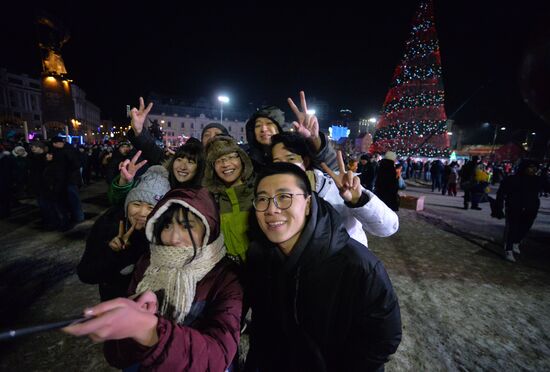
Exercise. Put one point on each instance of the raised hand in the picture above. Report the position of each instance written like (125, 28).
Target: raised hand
(307, 125)
(138, 116)
(121, 241)
(120, 318)
(348, 184)
(169, 152)
(128, 169)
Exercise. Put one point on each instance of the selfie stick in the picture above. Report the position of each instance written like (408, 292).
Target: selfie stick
(39, 328)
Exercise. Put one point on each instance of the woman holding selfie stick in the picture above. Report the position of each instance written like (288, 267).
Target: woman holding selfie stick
(194, 323)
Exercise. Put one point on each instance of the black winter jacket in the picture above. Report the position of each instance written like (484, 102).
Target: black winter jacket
(328, 306)
(101, 265)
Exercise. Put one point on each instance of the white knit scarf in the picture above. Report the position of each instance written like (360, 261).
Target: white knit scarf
(171, 271)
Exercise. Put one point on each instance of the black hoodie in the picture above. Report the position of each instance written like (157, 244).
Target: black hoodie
(261, 155)
(328, 306)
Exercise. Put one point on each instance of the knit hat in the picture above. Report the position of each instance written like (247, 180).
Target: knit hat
(151, 187)
(40, 144)
(390, 155)
(19, 151)
(220, 146)
(273, 113)
(215, 125)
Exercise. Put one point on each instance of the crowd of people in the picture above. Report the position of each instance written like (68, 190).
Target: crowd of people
(520, 186)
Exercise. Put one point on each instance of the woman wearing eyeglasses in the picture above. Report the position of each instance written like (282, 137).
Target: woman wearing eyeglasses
(320, 300)
(229, 177)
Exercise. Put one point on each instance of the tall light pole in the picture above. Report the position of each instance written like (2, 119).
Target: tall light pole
(495, 138)
(222, 99)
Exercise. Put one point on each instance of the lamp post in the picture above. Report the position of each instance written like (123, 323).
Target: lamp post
(495, 138)
(222, 99)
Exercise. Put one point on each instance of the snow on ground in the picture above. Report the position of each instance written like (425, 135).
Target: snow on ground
(463, 307)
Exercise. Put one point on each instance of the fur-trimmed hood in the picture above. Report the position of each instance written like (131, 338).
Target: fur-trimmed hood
(220, 146)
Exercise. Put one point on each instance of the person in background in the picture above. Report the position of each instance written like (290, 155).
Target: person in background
(452, 179)
(518, 201)
(320, 300)
(386, 185)
(67, 159)
(20, 156)
(468, 181)
(123, 151)
(37, 165)
(370, 169)
(7, 181)
(353, 165)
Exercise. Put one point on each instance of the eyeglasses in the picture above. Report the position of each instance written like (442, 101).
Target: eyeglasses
(282, 201)
(225, 159)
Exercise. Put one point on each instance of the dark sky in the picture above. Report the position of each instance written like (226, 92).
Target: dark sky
(343, 52)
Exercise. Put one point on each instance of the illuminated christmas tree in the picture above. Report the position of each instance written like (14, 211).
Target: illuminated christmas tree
(413, 120)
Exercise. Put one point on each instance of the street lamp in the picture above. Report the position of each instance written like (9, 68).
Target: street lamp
(222, 99)
(495, 138)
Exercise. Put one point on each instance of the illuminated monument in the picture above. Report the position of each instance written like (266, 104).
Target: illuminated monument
(57, 104)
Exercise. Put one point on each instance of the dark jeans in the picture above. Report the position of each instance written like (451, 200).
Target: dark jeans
(73, 200)
(518, 224)
(436, 182)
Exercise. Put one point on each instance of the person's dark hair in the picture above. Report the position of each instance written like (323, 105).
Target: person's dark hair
(192, 150)
(285, 168)
(525, 163)
(166, 218)
(215, 125)
(365, 157)
(295, 143)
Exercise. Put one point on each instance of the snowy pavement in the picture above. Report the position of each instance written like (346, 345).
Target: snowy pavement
(463, 307)
(480, 228)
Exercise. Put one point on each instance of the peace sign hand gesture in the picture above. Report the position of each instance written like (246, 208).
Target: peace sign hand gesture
(348, 184)
(121, 241)
(138, 116)
(128, 169)
(307, 125)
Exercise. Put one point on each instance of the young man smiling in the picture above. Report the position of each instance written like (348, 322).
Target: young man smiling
(268, 121)
(320, 300)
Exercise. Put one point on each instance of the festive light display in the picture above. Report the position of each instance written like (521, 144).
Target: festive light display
(413, 121)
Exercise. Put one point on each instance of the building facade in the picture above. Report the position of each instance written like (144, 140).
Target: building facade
(87, 115)
(20, 100)
(180, 121)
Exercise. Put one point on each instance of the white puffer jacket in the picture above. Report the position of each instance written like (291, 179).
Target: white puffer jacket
(375, 216)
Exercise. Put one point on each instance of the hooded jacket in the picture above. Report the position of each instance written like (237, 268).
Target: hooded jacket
(208, 339)
(234, 202)
(261, 155)
(101, 265)
(328, 306)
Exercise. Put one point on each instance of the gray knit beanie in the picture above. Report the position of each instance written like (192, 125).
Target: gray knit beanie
(150, 188)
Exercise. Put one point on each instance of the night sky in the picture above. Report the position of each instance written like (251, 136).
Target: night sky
(343, 52)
